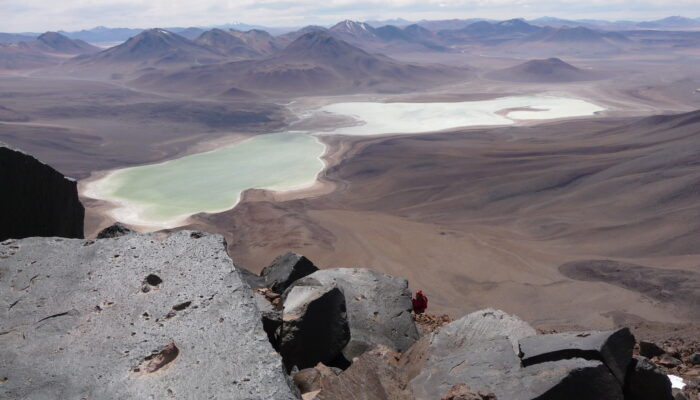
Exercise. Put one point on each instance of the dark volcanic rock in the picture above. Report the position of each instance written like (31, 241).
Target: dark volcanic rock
(613, 348)
(254, 281)
(645, 381)
(694, 359)
(115, 230)
(480, 350)
(314, 326)
(286, 269)
(36, 199)
(650, 349)
(76, 323)
(578, 380)
(669, 361)
(378, 308)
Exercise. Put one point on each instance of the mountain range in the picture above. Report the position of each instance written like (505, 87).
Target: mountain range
(151, 48)
(103, 34)
(316, 62)
(48, 49)
(162, 48)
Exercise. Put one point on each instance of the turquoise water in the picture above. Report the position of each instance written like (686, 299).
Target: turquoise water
(165, 194)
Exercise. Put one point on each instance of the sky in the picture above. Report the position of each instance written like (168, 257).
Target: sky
(43, 15)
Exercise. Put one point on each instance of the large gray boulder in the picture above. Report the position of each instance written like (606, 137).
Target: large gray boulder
(482, 325)
(613, 348)
(646, 381)
(314, 326)
(286, 269)
(378, 308)
(36, 199)
(480, 350)
(135, 317)
(573, 379)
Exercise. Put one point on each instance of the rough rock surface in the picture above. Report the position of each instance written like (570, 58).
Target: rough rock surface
(378, 308)
(613, 348)
(36, 199)
(645, 381)
(375, 375)
(314, 326)
(464, 392)
(307, 380)
(669, 361)
(115, 230)
(286, 269)
(480, 325)
(135, 317)
(480, 350)
(271, 317)
(253, 280)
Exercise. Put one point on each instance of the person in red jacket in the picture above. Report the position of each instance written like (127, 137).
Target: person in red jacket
(420, 302)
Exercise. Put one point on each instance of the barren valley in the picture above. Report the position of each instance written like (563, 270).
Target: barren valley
(515, 216)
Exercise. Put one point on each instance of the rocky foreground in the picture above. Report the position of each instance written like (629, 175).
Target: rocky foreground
(170, 316)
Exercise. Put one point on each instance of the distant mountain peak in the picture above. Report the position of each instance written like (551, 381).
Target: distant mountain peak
(545, 70)
(352, 27)
(155, 45)
(548, 65)
(155, 32)
(513, 22)
(56, 42)
(51, 35)
(314, 41)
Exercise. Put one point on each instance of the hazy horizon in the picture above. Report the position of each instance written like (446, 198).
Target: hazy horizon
(74, 15)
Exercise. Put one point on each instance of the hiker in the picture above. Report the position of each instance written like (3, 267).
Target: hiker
(420, 302)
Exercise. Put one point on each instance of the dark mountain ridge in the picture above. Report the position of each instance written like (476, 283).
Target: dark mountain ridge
(154, 47)
(50, 48)
(226, 43)
(54, 42)
(577, 34)
(316, 62)
(549, 70)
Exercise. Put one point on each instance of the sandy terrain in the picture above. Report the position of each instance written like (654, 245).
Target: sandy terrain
(486, 217)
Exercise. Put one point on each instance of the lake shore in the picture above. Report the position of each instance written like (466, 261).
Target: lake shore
(356, 119)
(212, 181)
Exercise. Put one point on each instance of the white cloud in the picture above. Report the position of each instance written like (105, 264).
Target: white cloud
(41, 15)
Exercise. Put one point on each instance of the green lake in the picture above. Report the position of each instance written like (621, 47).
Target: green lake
(165, 194)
